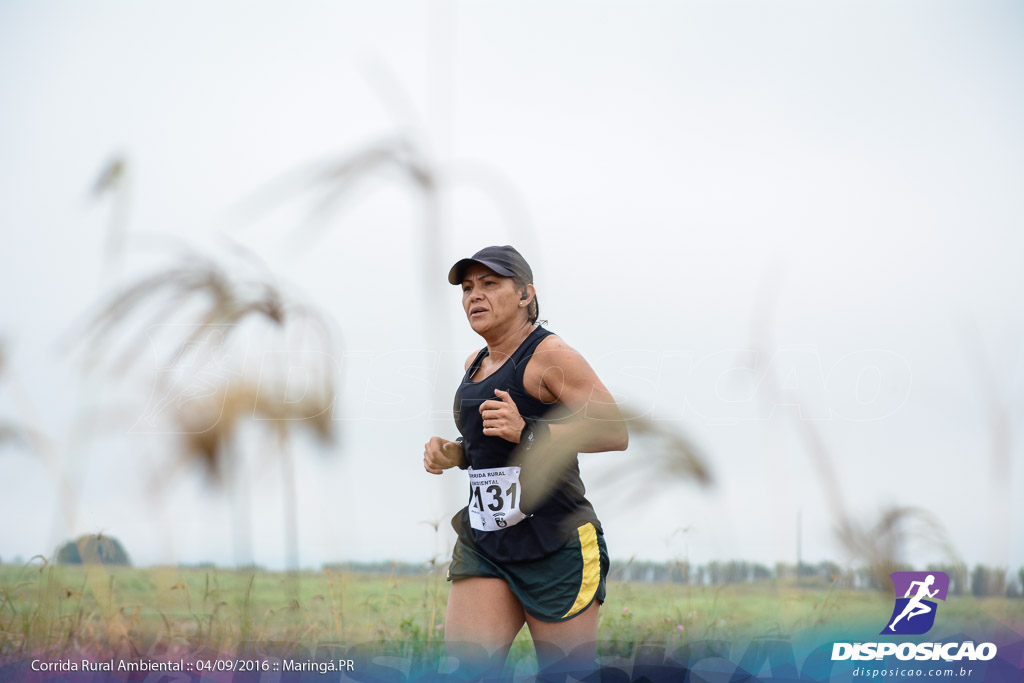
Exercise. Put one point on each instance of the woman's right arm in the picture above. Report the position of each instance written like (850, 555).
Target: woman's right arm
(441, 454)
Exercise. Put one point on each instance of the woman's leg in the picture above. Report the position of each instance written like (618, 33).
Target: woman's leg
(571, 644)
(482, 620)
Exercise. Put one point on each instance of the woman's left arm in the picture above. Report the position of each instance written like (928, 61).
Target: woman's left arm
(598, 425)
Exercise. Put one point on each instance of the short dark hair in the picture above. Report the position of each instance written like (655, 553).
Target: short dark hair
(533, 310)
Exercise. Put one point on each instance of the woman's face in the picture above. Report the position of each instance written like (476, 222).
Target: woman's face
(489, 299)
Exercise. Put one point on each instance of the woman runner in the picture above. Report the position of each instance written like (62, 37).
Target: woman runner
(541, 561)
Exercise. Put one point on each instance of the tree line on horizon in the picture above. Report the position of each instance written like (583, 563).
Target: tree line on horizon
(981, 581)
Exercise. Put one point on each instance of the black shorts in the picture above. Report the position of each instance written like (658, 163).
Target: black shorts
(554, 588)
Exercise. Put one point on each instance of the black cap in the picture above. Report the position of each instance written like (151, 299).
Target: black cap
(502, 260)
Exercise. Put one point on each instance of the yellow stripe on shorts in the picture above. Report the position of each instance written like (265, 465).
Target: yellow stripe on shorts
(591, 569)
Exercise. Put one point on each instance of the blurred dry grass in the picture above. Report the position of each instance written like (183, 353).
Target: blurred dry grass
(26, 432)
(206, 424)
(882, 543)
(225, 344)
(668, 456)
(211, 309)
(114, 182)
(329, 184)
(197, 292)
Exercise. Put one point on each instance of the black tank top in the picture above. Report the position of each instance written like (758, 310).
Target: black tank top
(556, 519)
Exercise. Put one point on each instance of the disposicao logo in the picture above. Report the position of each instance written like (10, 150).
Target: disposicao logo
(914, 613)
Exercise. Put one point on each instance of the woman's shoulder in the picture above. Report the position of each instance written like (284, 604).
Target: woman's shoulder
(472, 357)
(553, 364)
(552, 346)
(553, 351)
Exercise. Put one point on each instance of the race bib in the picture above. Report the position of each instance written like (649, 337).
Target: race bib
(494, 498)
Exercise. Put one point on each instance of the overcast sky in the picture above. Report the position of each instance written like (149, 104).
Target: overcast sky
(847, 173)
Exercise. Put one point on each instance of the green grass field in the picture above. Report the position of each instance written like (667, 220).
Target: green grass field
(170, 612)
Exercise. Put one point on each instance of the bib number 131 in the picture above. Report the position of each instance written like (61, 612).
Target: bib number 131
(494, 498)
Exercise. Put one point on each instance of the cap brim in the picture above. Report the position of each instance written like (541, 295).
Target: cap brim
(457, 272)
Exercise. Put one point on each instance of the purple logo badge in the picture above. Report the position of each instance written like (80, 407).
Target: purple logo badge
(914, 613)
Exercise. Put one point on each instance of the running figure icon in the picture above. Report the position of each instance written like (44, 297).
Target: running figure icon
(915, 607)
